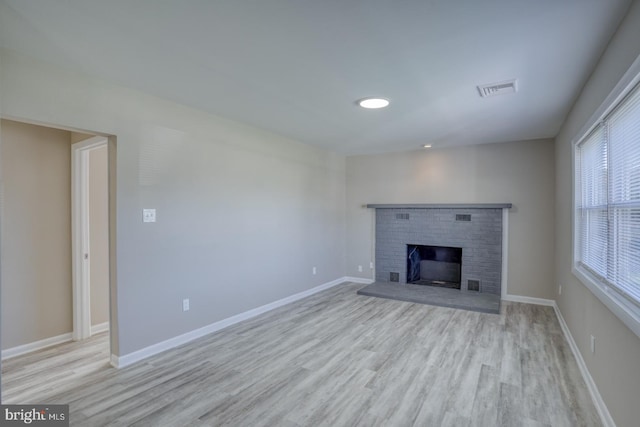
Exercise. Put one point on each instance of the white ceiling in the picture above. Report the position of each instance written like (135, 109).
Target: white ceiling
(296, 67)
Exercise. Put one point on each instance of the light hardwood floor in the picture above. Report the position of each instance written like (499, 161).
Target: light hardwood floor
(335, 359)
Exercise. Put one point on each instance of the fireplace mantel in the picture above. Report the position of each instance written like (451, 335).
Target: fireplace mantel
(442, 206)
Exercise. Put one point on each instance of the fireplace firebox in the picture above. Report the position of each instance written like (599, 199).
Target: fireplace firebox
(434, 266)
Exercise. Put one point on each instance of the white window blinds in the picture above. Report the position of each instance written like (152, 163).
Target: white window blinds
(593, 202)
(608, 199)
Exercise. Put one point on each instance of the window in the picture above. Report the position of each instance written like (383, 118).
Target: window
(607, 219)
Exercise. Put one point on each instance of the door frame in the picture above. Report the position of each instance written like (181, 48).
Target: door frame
(80, 257)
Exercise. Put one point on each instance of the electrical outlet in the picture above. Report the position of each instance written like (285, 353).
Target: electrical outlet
(185, 304)
(371, 264)
(313, 270)
(593, 344)
(148, 215)
(560, 290)
(360, 268)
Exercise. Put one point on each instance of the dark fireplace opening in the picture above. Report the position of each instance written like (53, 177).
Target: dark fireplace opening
(434, 266)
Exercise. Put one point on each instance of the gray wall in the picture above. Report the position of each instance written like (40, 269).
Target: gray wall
(614, 366)
(521, 173)
(36, 233)
(242, 215)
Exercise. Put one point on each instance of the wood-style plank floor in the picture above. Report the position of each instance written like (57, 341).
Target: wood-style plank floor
(334, 359)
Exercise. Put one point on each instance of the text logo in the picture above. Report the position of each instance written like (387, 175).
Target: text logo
(34, 415)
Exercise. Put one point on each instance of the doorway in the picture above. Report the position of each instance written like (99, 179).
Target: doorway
(90, 237)
(38, 308)
(37, 253)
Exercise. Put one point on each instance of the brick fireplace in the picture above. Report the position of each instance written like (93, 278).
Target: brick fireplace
(473, 230)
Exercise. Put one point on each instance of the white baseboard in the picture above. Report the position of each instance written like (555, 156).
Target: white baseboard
(128, 359)
(358, 280)
(101, 327)
(605, 416)
(529, 300)
(35, 346)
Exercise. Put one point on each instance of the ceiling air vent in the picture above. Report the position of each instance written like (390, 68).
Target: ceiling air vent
(493, 89)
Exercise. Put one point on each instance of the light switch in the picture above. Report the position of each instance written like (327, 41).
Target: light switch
(148, 215)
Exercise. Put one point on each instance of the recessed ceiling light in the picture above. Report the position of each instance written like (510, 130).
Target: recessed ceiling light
(426, 146)
(372, 103)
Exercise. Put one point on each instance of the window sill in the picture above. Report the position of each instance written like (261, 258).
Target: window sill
(625, 310)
